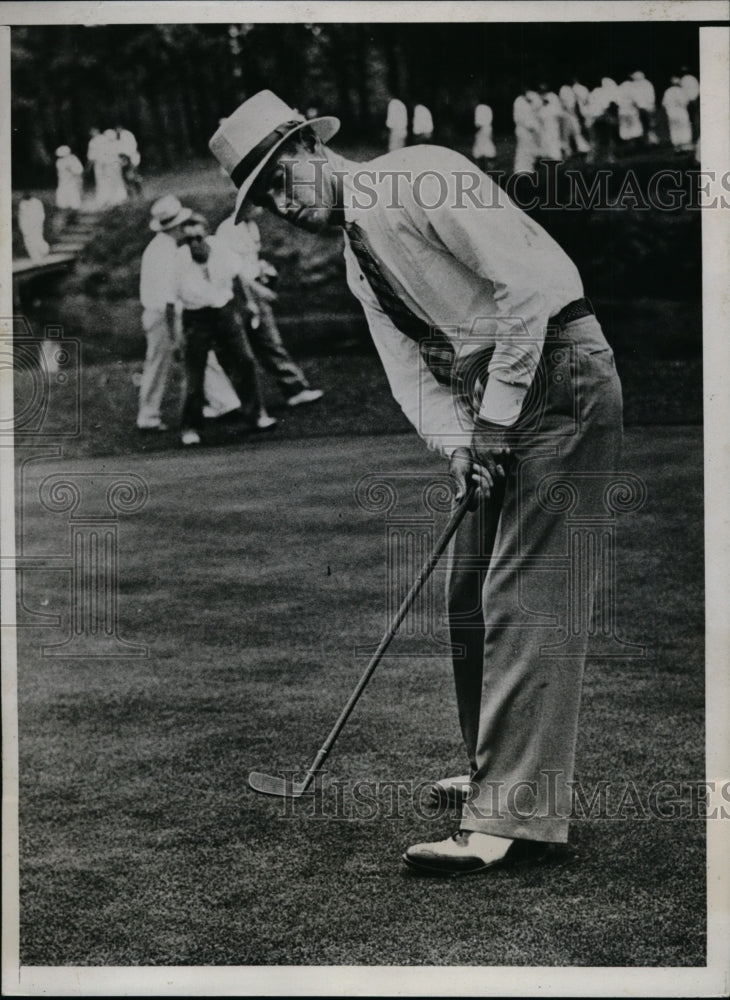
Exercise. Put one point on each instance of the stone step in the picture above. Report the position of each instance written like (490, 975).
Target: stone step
(67, 247)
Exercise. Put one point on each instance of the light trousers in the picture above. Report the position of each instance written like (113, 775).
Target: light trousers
(508, 602)
(156, 371)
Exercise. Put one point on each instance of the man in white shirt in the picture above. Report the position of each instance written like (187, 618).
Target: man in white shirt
(158, 294)
(263, 333)
(206, 270)
(459, 293)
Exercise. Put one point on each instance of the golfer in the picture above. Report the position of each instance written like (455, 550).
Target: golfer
(496, 358)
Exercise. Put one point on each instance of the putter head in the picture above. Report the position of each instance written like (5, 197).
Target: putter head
(283, 787)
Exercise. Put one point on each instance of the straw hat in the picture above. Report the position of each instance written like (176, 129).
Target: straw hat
(245, 142)
(167, 212)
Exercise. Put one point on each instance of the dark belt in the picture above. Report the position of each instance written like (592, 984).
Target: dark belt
(577, 309)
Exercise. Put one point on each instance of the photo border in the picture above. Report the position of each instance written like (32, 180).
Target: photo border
(423, 981)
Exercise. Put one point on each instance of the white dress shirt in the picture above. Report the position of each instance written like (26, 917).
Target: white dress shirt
(209, 285)
(244, 240)
(488, 277)
(157, 276)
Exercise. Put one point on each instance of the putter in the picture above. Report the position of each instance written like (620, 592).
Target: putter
(269, 784)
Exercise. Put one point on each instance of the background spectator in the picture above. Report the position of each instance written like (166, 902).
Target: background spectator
(254, 275)
(691, 87)
(70, 174)
(527, 131)
(630, 130)
(158, 295)
(206, 270)
(675, 103)
(422, 124)
(483, 151)
(396, 123)
(31, 217)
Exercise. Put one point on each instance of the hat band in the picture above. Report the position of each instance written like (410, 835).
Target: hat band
(164, 220)
(252, 159)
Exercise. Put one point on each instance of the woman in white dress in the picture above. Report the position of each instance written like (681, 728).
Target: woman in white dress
(483, 151)
(630, 128)
(70, 173)
(31, 217)
(549, 115)
(396, 123)
(527, 132)
(111, 189)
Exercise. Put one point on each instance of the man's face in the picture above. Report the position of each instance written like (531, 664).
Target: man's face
(298, 186)
(177, 234)
(195, 237)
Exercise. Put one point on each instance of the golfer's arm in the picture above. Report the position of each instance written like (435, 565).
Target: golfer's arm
(430, 407)
(492, 244)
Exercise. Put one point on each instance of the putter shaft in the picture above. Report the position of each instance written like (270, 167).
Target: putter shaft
(273, 785)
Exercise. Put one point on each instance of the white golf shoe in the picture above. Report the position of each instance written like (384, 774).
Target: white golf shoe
(305, 396)
(465, 853)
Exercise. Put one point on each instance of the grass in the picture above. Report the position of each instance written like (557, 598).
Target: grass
(95, 407)
(252, 575)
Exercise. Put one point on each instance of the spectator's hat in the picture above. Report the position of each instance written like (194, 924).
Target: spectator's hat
(167, 212)
(245, 142)
(63, 151)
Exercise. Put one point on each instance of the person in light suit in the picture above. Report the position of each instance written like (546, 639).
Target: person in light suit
(460, 294)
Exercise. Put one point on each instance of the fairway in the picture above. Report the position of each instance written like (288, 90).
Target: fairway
(258, 584)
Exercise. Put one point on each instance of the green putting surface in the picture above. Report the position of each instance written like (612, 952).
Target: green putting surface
(259, 587)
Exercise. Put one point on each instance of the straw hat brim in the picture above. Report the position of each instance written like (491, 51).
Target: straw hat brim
(326, 126)
(182, 216)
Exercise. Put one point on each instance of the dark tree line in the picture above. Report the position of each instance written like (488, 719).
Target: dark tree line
(172, 83)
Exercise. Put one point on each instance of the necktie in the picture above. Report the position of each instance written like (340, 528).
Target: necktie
(436, 349)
